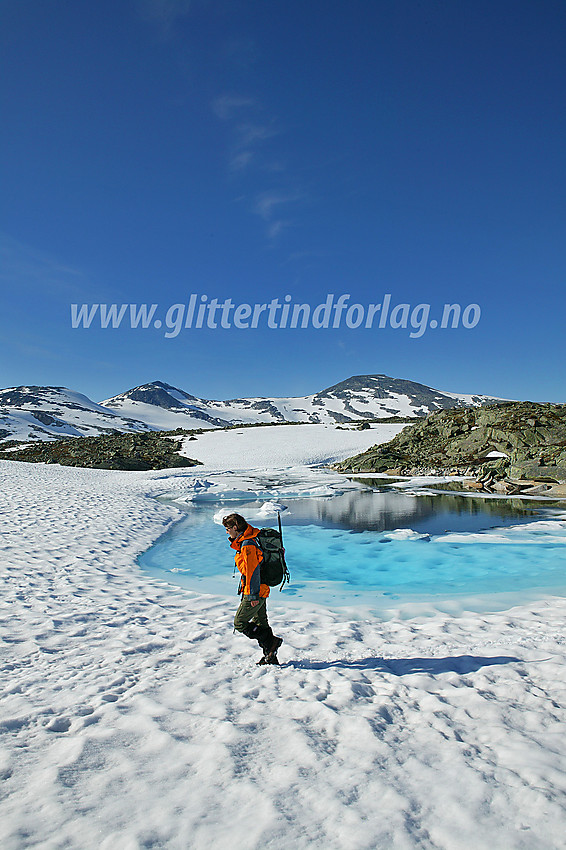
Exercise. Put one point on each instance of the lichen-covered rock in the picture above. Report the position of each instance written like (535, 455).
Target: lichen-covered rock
(515, 439)
(134, 452)
(533, 470)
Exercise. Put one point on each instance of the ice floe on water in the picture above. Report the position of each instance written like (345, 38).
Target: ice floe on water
(289, 484)
(404, 534)
(271, 509)
(266, 511)
(536, 532)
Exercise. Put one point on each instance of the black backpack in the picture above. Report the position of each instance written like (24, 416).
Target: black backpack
(272, 569)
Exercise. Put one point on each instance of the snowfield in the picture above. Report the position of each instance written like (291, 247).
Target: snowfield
(283, 446)
(132, 717)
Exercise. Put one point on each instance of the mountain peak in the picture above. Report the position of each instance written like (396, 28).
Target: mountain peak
(44, 413)
(157, 393)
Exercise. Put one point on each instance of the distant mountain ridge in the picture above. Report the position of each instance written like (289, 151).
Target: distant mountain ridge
(46, 413)
(357, 398)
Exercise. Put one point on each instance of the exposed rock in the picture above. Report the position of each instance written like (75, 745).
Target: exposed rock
(474, 485)
(556, 491)
(48, 419)
(120, 451)
(337, 416)
(157, 394)
(266, 406)
(531, 469)
(525, 441)
(537, 490)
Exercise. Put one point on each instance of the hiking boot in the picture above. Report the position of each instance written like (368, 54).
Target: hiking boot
(271, 652)
(271, 659)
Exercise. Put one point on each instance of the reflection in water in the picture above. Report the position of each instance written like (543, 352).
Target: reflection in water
(370, 511)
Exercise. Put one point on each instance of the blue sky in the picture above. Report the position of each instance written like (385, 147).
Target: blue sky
(152, 149)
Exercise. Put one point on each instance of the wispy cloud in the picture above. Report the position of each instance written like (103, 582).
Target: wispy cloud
(164, 13)
(228, 105)
(249, 134)
(247, 141)
(38, 276)
(267, 202)
(246, 135)
(25, 268)
(276, 227)
(270, 205)
(26, 345)
(240, 161)
(248, 155)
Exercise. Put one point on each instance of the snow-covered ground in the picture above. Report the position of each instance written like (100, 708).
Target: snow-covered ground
(132, 717)
(283, 446)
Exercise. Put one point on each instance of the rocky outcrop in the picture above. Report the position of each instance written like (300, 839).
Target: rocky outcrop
(119, 451)
(515, 440)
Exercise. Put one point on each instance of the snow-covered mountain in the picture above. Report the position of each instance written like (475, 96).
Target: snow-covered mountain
(163, 407)
(360, 397)
(46, 413)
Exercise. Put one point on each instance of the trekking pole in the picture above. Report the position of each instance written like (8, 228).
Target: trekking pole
(286, 573)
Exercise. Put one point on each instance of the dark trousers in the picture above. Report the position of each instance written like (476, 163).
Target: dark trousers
(252, 621)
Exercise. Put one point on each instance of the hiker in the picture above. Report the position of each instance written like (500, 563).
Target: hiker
(251, 616)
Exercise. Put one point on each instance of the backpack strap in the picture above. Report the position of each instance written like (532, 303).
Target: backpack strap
(251, 541)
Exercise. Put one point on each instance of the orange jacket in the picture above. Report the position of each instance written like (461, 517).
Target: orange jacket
(248, 557)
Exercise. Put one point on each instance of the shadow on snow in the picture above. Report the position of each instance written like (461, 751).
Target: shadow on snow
(405, 666)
